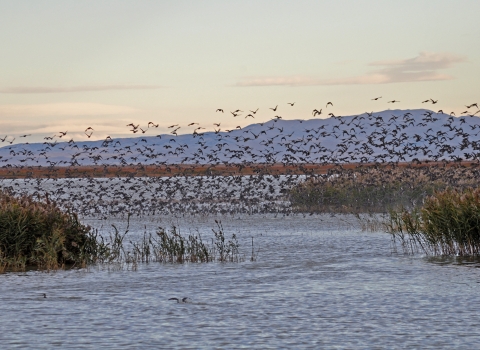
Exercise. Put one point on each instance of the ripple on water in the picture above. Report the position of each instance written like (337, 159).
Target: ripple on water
(313, 285)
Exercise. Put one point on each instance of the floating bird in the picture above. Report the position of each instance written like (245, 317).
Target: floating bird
(183, 300)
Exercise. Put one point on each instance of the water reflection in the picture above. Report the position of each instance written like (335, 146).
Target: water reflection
(469, 261)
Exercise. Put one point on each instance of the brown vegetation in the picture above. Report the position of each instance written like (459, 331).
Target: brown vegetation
(205, 169)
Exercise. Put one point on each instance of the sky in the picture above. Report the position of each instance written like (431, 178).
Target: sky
(67, 65)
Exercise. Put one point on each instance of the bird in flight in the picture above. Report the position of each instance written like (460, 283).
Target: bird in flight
(393, 101)
(472, 105)
(376, 98)
(274, 109)
(219, 110)
(134, 127)
(254, 112)
(291, 104)
(329, 103)
(316, 111)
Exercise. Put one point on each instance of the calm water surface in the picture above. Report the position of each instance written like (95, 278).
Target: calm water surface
(317, 283)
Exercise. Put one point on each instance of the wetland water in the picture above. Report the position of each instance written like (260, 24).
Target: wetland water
(318, 282)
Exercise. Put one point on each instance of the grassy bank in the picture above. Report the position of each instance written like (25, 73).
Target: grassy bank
(448, 223)
(37, 233)
(378, 189)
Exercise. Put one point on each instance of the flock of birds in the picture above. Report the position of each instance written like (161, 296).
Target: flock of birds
(386, 137)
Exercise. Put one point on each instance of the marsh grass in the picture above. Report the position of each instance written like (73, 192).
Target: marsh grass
(447, 224)
(168, 246)
(40, 234)
(378, 189)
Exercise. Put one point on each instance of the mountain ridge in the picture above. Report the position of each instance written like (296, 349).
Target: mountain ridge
(384, 136)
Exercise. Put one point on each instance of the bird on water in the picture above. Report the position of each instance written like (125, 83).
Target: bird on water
(184, 300)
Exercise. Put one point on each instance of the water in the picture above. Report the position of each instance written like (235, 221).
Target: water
(317, 283)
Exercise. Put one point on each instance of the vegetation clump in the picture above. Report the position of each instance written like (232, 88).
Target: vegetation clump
(448, 223)
(170, 246)
(40, 234)
(378, 189)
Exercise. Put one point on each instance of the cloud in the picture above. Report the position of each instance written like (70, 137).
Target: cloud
(424, 67)
(63, 110)
(87, 88)
(113, 125)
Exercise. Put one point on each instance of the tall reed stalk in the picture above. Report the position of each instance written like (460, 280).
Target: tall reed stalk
(448, 223)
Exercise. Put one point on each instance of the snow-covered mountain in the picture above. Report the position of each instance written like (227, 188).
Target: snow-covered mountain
(391, 135)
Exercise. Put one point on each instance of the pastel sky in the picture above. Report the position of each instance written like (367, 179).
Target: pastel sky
(69, 64)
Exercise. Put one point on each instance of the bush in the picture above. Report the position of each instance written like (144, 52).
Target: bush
(448, 223)
(39, 234)
(378, 189)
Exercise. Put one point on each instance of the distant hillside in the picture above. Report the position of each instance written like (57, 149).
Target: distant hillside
(391, 135)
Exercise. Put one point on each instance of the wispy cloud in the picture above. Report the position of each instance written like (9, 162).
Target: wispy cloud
(86, 88)
(63, 110)
(424, 67)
